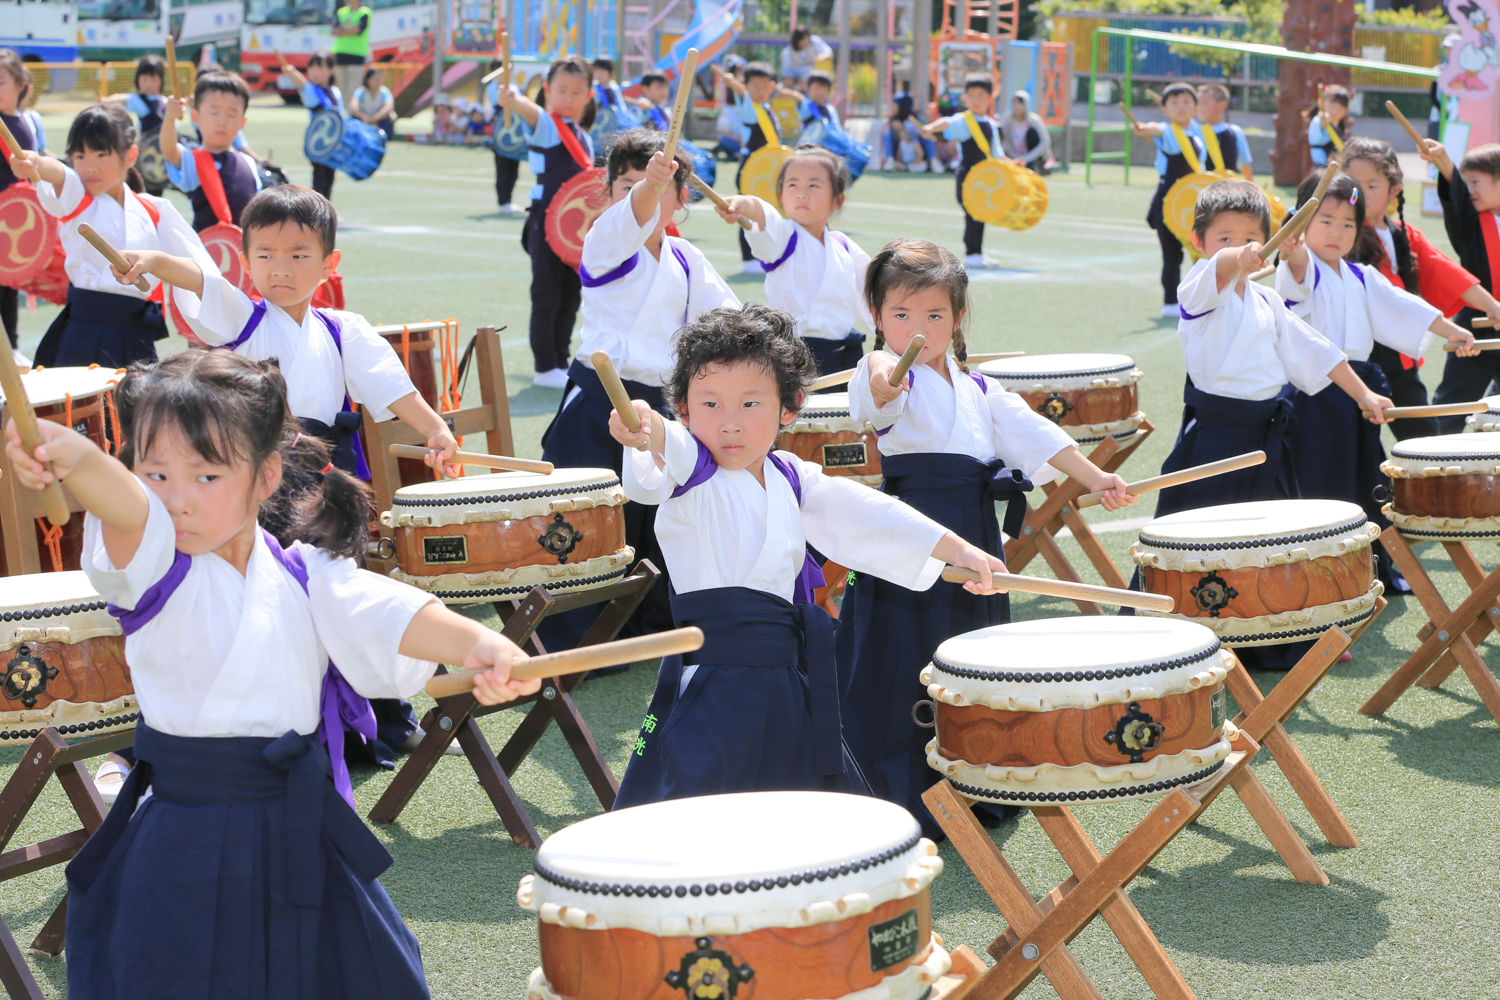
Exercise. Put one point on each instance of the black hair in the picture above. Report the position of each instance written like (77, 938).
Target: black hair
(150, 65)
(755, 69)
(293, 203)
(754, 333)
(1382, 156)
(980, 80)
(608, 65)
(373, 68)
(229, 410)
(16, 67)
(917, 265)
(101, 128)
(1482, 160)
(208, 68)
(652, 78)
(1345, 189)
(838, 169)
(578, 66)
(818, 76)
(798, 34)
(1337, 95)
(1217, 89)
(324, 58)
(633, 150)
(221, 83)
(1173, 89)
(1231, 195)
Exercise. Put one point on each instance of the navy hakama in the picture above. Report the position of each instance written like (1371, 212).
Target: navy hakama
(102, 328)
(1219, 427)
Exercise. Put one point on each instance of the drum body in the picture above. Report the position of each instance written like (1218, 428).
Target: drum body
(580, 200)
(151, 161)
(1091, 396)
(486, 538)
(760, 170)
(513, 143)
(1181, 200)
(346, 144)
(856, 155)
(224, 241)
(31, 236)
(416, 356)
(824, 433)
(1078, 709)
(1266, 572)
(1445, 488)
(759, 894)
(63, 660)
(1488, 420)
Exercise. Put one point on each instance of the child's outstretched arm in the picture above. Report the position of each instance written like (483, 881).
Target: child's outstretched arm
(291, 71)
(442, 636)
(1072, 463)
(645, 197)
(179, 272)
(1455, 334)
(105, 487)
(1371, 403)
(1233, 264)
(652, 435)
(956, 552)
(1475, 297)
(33, 166)
(528, 109)
(1436, 153)
(413, 411)
(743, 206)
(169, 147)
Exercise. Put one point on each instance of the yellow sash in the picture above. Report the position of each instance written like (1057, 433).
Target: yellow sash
(1211, 140)
(1333, 133)
(1186, 145)
(980, 139)
(773, 138)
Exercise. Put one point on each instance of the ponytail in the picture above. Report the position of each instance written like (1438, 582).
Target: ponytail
(1405, 264)
(318, 503)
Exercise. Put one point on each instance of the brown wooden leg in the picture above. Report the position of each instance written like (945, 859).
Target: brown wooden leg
(440, 727)
(78, 784)
(1093, 548)
(1278, 830)
(585, 750)
(15, 974)
(497, 786)
(1063, 569)
(1473, 575)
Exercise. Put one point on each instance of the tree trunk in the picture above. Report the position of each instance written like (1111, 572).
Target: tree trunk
(1309, 26)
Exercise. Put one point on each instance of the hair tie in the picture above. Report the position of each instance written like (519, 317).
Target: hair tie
(1354, 197)
(296, 439)
(325, 470)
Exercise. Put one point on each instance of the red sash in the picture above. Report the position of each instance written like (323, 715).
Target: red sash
(155, 216)
(1491, 231)
(212, 184)
(575, 148)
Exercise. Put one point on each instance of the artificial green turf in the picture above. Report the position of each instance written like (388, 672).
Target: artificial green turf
(1411, 912)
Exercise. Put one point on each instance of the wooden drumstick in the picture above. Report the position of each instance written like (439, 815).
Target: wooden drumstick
(172, 65)
(1436, 410)
(716, 198)
(605, 369)
(1416, 137)
(976, 359)
(832, 379)
(1264, 272)
(477, 458)
(491, 75)
(1293, 227)
(53, 501)
(110, 254)
(908, 358)
(680, 106)
(1479, 345)
(1329, 173)
(1194, 474)
(576, 661)
(1129, 117)
(1483, 323)
(1155, 97)
(10, 140)
(1062, 588)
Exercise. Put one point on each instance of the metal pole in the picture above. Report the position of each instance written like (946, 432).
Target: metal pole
(921, 32)
(1088, 138)
(1129, 70)
(845, 40)
(994, 20)
(619, 39)
(441, 31)
(882, 60)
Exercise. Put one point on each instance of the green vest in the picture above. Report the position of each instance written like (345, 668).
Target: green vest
(352, 45)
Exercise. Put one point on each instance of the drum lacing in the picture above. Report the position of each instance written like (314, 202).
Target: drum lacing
(400, 501)
(553, 585)
(727, 888)
(1033, 376)
(1085, 796)
(1449, 458)
(65, 609)
(52, 538)
(1077, 675)
(1254, 543)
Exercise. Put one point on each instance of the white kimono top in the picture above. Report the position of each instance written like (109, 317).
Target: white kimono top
(232, 655)
(126, 226)
(1247, 347)
(959, 419)
(316, 375)
(633, 303)
(1355, 306)
(820, 282)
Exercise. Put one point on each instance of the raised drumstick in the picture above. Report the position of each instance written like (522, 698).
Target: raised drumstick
(477, 458)
(680, 106)
(1197, 472)
(172, 64)
(1436, 410)
(1293, 227)
(832, 379)
(1416, 137)
(575, 661)
(605, 369)
(908, 358)
(1479, 345)
(491, 75)
(1329, 173)
(1062, 588)
(1128, 116)
(10, 140)
(714, 196)
(110, 254)
(53, 501)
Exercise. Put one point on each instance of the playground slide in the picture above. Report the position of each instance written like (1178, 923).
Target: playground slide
(714, 26)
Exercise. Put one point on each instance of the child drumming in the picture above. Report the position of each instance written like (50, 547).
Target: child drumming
(1179, 151)
(1408, 260)
(217, 178)
(104, 322)
(317, 91)
(230, 849)
(1471, 198)
(816, 106)
(639, 287)
(1328, 125)
(560, 149)
(15, 84)
(758, 128)
(979, 138)
(655, 100)
(1337, 455)
(507, 164)
(146, 102)
(951, 445)
(736, 519)
(1228, 149)
(812, 271)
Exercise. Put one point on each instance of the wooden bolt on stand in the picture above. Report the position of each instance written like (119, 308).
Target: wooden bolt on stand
(48, 755)
(1059, 511)
(453, 717)
(1452, 635)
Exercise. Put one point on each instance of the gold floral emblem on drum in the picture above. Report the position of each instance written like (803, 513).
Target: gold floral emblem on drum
(762, 167)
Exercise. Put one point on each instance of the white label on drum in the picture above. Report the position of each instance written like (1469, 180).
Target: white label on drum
(1218, 707)
(894, 941)
(844, 456)
(445, 550)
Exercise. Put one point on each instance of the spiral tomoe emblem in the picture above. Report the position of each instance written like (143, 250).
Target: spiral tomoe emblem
(324, 134)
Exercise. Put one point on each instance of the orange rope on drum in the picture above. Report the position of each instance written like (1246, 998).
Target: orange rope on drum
(448, 393)
(68, 410)
(52, 536)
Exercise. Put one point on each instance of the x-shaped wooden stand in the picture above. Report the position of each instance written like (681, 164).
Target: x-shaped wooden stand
(453, 717)
(1450, 637)
(1059, 511)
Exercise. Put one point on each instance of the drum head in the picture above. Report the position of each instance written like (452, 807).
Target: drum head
(512, 142)
(576, 205)
(150, 161)
(1051, 370)
(1181, 200)
(1259, 524)
(50, 386)
(28, 235)
(324, 133)
(762, 167)
(51, 282)
(223, 241)
(1490, 419)
(1457, 454)
(992, 190)
(825, 404)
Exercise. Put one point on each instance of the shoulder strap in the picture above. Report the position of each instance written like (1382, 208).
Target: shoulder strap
(980, 139)
(981, 381)
(1211, 142)
(1359, 272)
(703, 470)
(83, 204)
(688, 272)
(767, 126)
(791, 477)
(786, 255)
(335, 330)
(589, 281)
(1189, 151)
(257, 313)
(155, 598)
(291, 560)
(575, 148)
(151, 210)
(810, 577)
(212, 184)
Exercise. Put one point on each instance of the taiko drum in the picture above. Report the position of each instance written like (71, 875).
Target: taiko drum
(415, 348)
(824, 433)
(1445, 487)
(1091, 396)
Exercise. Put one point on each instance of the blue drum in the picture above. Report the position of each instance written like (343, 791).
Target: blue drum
(346, 144)
(513, 142)
(703, 163)
(610, 121)
(834, 139)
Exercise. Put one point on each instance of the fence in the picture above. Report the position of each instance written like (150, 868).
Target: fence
(94, 81)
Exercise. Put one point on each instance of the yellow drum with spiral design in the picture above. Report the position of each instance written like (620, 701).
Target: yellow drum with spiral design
(1182, 198)
(758, 176)
(991, 191)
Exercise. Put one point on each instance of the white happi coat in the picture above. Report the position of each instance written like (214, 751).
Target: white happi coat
(1354, 307)
(821, 282)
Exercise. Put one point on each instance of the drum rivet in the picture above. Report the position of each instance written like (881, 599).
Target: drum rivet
(1443, 635)
(1028, 530)
(445, 723)
(1030, 952)
(549, 692)
(1494, 612)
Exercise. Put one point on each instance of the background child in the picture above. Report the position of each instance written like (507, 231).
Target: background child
(816, 104)
(735, 523)
(146, 103)
(219, 104)
(229, 638)
(508, 163)
(978, 138)
(655, 100)
(15, 84)
(1228, 149)
(560, 148)
(951, 445)
(1024, 136)
(1179, 152)
(758, 129)
(1408, 260)
(812, 272)
(1328, 125)
(373, 103)
(317, 91)
(104, 322)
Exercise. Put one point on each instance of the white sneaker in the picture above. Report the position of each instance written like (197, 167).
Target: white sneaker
(753, 267)
(557, 378)
(511, 209)
(979, 260)
(22, 361)
(109, 779)
(415, 740)
(1171, 311)
(920, 167)
(937, 166)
